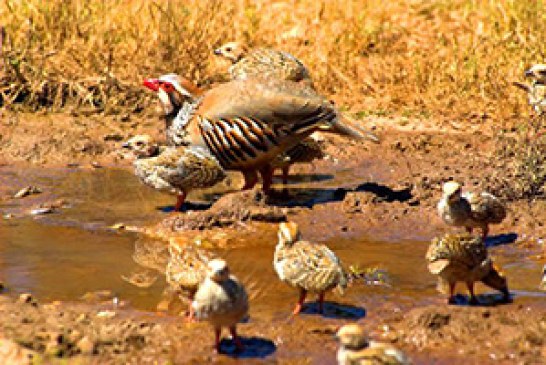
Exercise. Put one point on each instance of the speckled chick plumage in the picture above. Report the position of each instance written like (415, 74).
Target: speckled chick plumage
(536, 91)
(263, 62)
(176, 170)
(356, 349)
(463, 258)
(187, 267)
(307, 266)
(221, 299)
(469, 210)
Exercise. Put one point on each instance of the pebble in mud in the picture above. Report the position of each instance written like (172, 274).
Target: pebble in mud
(26, 191)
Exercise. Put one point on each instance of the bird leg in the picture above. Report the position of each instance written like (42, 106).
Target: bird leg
(470, 286)
(238, 344)
(267, 178)
(451, 299)
(250, 179)
(485, 232)
(180, 198)
(285, 172)
(191, 314)
(217, 332)
(321, 302)
(299, 305)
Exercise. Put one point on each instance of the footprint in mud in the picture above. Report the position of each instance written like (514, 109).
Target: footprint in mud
(254, 347)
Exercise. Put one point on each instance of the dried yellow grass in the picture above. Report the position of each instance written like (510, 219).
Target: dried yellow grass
(451, 59)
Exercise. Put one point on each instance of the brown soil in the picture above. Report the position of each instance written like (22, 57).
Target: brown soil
(394, 200)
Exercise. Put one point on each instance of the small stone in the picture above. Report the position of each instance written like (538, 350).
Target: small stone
(8, 216)
(29, 190)
(96, 165)
(86, 346)
(26, 298)
(118, 226)
(41, 211)
(106, 314)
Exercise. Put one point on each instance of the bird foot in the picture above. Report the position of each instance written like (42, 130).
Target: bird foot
(473, 300)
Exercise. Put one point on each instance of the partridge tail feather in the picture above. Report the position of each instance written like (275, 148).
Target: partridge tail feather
(350, 128)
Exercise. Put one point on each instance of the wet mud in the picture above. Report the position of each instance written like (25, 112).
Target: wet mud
(94, 263)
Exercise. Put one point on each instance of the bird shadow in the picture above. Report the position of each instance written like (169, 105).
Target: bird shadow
(501, 239)
(335, 310)
(484, 300)
(186, 207)
(253, 347)
(309, 197)
(301, 178)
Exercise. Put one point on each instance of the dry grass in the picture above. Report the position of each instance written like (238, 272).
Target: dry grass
(452, 59)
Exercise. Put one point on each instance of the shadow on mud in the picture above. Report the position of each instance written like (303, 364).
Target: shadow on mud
(484, 300)
(309, 197)
(335, 310)
(254, 347)
(501, 239)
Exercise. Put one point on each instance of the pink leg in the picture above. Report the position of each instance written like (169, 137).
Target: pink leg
(285, 173)
(485, 232)
(267, 178)
(191, 314)
(470, 286)
(299, 305)
(180, 201)
(251, 178)
(321, 303)
(451, 299)
(217, 332)
(236, 338)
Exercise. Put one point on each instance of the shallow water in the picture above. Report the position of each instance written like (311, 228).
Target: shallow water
(62, 256)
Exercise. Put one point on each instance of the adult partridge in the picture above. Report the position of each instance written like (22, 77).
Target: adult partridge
(247, 123)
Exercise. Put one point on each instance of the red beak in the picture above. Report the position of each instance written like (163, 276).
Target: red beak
(152, 84)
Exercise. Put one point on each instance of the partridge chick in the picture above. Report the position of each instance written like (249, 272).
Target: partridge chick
(464, 258)
(469, 210)
(176, 170)
(221, 300)
(536, 92)
(186, 269)
(263, 62)
(356, 349)
(306, 266)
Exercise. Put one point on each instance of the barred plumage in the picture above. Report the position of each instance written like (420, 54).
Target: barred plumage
(175, 170)
(469, 210)
(307, 266)
(263, 62)
(463, 258)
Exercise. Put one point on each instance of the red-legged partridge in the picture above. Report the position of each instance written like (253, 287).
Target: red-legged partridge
(263, 62)
(247, 123)
(221, 300)
(356, 349)
(306, 266)
(469, 210)
(186, 269)
(176, 170)
(178, 95)
(456, 258)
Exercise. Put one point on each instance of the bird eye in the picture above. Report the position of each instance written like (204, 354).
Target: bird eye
(139, 143)
(168, 87)
(228, 49)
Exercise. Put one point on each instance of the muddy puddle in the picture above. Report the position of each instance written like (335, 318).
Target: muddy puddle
(74, 250)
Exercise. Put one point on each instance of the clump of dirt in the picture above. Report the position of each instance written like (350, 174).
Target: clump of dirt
(507, 335)
(232, 208)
